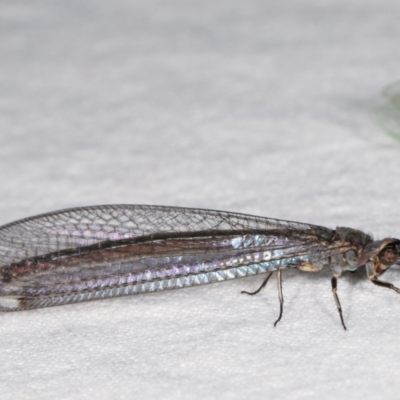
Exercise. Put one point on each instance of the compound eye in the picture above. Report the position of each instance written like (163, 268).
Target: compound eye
(388, 255)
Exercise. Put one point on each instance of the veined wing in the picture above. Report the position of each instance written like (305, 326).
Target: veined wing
(106, 251)
(79, 227)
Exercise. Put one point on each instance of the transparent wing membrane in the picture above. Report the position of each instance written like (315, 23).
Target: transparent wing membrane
(97, 252)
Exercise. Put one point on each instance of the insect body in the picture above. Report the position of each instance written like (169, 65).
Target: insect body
(98, 252)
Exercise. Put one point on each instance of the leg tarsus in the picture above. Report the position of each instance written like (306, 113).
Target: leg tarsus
(280, 293)
(337, 301)
(265, 281)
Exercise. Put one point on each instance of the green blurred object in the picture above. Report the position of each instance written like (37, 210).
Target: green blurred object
(387, 110)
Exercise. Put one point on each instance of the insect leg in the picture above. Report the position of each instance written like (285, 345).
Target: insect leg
(280, 293)
(374, 271)
(388, 285)
(265, 281)
(335, 296)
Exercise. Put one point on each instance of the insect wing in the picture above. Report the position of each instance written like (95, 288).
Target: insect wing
(79, 227)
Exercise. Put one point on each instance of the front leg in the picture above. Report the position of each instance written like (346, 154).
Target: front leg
(374, 270)
(388, 285)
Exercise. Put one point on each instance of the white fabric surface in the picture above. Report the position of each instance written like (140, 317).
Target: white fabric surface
(257, 106)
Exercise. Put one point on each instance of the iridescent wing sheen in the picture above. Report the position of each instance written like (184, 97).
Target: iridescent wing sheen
(107, 251)
(79, 227)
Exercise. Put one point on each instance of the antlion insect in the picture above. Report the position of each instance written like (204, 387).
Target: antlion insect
(98, 252)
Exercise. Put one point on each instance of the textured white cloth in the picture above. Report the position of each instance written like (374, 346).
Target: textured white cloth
(251, 106)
